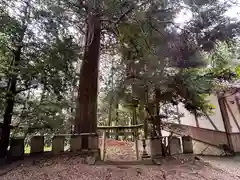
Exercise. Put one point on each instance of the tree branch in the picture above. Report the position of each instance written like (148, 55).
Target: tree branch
(125, 13)
(80, 5)
(120, 18)
(25, 89)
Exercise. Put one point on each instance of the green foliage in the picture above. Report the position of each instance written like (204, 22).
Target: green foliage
(175, 61)
(149, 48)
(27, 149)
(237, 70)
(46, 72)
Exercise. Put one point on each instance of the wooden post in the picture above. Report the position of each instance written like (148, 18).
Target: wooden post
(103, 151)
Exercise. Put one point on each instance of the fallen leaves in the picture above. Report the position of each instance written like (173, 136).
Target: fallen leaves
(75, 168)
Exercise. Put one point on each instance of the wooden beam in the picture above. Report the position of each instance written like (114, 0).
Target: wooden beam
(226, 122)
(81, 134)
(120, 127)
(122, 133)
(230, 110)
(238, 104)
(214, 126)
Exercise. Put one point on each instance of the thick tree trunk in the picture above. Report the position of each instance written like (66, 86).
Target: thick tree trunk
(10, 99)
(86, 113)
(12, 83)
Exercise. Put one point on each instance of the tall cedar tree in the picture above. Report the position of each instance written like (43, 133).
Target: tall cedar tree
(86, 113)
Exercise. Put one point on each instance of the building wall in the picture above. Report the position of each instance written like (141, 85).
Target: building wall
(205, 141)
(202, 148)
(187, 118)
(210, 137)
(214, 122)
(209, 131)
(216, 116)
(236, 141)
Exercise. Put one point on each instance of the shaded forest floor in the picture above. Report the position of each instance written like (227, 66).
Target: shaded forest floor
(75, 168)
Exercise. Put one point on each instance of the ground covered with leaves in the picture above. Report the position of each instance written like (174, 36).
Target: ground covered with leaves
(122, 153)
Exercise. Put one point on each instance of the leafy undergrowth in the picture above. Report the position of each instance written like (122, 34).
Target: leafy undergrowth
(74, 168)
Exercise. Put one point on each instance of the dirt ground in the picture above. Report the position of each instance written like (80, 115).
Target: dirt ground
(227, 164)
(122, 155)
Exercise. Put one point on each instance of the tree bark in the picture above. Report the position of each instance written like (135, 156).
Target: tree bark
(12, 83)
(86, 112)
(109, 123)
(10, 100)
(116, 117)
(158, 119)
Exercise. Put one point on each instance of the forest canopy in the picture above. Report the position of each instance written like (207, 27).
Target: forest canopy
(67, 65)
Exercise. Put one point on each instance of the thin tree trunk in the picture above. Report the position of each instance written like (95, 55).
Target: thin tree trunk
(73, 99)
(116, 118)
(178, 115)
(110, 117)
(110, 109)
(23, 113)
(158, 119)
(86, 112)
